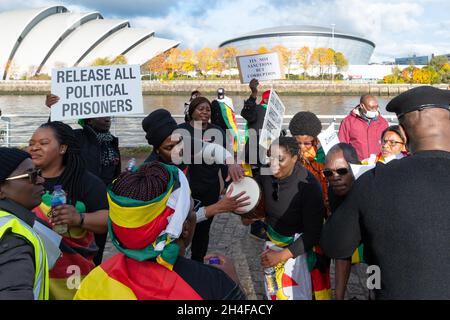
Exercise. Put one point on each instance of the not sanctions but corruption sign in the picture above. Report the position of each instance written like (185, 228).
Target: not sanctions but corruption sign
(96, 92)
(328, 138)
(260, 66)
(273, 121)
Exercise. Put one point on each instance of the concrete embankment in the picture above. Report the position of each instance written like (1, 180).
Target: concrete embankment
(184, 87)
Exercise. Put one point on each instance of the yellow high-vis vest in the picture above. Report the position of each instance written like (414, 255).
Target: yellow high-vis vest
(9, 222)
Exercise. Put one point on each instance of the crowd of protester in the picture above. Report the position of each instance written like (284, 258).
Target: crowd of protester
(315, 210)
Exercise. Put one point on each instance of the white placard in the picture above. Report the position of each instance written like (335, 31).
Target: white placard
(263, 67)
(359, 169)
(328, 138)
(273, 121)
(97, 92)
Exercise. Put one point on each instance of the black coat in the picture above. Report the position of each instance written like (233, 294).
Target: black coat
(91, 152)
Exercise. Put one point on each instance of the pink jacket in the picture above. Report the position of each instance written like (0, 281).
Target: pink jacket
(364, 137)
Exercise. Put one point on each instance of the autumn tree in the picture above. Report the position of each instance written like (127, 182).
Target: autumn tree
(340, 61)
(174, 61)
(247, 52)
(303, 57)
(285, 55)
(408, 73)
(262, 50)
(229, 55)
(207, 60)
(106, 61)
(188, 60)
(438, 62)
(322, 58)
(157, 66)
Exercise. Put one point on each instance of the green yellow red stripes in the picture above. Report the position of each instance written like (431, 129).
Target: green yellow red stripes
(127, 278)
(358, 255)
(278, 239)
(139, 238)
(231, 123)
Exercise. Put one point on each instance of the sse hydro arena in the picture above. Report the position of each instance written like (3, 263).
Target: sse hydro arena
(356, 49)
(33, 41)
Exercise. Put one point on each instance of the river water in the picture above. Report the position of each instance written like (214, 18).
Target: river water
(33, 112)
(320, 105)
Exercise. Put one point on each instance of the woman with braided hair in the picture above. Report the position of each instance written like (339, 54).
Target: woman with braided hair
(151, 222)
(101, 154)
(55, 150)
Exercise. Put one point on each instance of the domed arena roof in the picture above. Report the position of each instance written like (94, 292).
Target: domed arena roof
(296, 30)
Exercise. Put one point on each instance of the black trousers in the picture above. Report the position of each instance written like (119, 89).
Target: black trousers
(200, 240)
(100, 240)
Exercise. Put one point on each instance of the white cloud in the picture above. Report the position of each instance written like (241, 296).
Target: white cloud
(398, 27)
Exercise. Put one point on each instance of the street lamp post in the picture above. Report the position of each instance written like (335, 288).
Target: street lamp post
(332, 45)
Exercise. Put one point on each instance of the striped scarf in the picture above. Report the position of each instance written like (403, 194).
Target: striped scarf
(318, 264)
(146, 230)
(229, 117)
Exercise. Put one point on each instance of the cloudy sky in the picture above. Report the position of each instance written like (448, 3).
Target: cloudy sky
(398, 27)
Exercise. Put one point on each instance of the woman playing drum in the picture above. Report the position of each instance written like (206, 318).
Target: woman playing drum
(294, 212)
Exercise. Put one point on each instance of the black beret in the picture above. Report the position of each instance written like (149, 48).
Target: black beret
(158, 125)
(10, 159)
(419, 98)
(305, 123)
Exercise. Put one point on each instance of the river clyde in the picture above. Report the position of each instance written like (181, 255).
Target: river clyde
(320, 105)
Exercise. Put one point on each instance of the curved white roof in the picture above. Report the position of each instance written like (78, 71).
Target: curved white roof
(149, 49)
(34, 41)
(297, 30)
(81, 41)
(15, 25)
(45, 37)
(118, 43)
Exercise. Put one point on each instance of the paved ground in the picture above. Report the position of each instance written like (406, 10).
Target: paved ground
(230, 237)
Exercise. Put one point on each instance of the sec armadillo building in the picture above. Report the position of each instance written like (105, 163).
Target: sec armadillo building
(33, 41)
(356, 49)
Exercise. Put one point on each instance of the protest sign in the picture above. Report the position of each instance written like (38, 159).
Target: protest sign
(263, 67)
(96, 92)
(273, 121)
(328, 138)
(359, 169)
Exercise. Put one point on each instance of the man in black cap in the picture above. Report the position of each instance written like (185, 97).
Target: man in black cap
(23, 259)
(401, 211)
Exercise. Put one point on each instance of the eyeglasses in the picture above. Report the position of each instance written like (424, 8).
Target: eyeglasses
(276, 188)
(32, 176)
(341, 171)
(392, 143)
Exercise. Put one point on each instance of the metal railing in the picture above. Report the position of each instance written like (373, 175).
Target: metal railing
(17, 129)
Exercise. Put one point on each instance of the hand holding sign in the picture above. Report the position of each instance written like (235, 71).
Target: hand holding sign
(260, 66)
(95, 92)
(328, 138)
(51, 99)
(273, 121)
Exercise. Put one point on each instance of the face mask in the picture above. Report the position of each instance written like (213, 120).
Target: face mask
(371, 114)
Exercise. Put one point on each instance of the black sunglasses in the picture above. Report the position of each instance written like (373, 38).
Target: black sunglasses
(32, 176)
(275, 187)
(341, 171)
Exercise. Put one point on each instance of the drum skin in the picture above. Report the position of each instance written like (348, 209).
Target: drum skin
(255, 210)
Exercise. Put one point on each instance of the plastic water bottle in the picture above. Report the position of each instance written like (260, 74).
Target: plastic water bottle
(131, 164)
(271, 280)
(59, 198)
